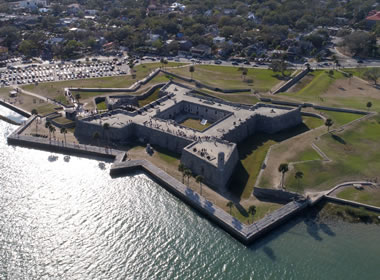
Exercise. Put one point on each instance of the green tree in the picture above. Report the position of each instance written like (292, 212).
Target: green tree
(191, 70)
(279, 66)
(283, 168)
(329, 123)
(372, 74)
(252, 211)
(199, 179)
(48, 125)
(230, 204)
(51, 130)
(298, 176)
(369, 105)
(188, 174)
(181, 168)
(64, 131)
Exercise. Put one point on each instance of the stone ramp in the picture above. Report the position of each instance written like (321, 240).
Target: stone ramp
(244, 233)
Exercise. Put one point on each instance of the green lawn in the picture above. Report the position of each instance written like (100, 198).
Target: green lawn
(306, 155)
(252, 153)
(150, 98)
(369, 195)
(340, 118)
(312, 122)
(62, 120)
(230, 77)
(355, 155)
(195, 124)
(101, 106)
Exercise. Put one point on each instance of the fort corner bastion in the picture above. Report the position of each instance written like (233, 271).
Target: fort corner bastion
(211, 151)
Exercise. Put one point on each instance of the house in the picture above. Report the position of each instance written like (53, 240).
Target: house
(218, 40)
(185, 45)
(73, 8)
(32, 4)
(91, 12)
(54, 41)
(177, 7)
(200, 51)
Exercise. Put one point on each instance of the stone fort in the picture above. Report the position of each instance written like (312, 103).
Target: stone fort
(210, 152)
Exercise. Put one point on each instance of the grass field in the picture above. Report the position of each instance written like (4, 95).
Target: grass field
(340, 118)
(369, 195)
(230, 77)
(195, 124)
(149, 99)
(252, 153)
(354, 153)
(101, 106)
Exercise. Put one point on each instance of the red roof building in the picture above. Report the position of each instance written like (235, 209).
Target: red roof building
(373, 16)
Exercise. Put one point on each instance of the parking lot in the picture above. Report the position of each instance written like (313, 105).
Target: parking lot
(60, 72)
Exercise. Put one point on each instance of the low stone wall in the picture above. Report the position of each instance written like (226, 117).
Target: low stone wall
(292, 82)
(317, 107)
(352, 203)
(16, 109)
(273, 195)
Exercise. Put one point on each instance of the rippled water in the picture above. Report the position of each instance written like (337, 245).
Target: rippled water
(71, 220)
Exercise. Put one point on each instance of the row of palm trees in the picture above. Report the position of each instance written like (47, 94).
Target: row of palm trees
(186, 172)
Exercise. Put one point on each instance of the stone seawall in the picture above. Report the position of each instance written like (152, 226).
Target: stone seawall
(16, 109)
(244, 233)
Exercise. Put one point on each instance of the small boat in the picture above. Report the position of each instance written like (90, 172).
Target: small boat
(66, 158)
(52, 158)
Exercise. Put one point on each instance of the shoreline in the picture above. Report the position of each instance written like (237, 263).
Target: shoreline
(245, 233)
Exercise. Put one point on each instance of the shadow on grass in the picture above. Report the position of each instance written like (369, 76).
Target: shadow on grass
(241, 176)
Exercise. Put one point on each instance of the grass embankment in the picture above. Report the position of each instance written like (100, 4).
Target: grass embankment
(335, 91)
(328, 211)
(62, 120)
(340, 118)
(252, 153)
(262, 209)
(55, 89)
(354, 153)
(195, 124)
(230, 77)
(150, 98)
(368, 195)
(320, 82)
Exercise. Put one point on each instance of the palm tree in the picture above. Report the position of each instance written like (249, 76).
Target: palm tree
(188, 174)
(181, 168)
(298, 176)
(96, 137)
(369, 105)
(51, 130)
(48, 125)
(230, 204)
(64, 131)
(199, 179)
(252, 211)
(328, 123)
(191, 70)
(245, 72)
(35, 113)
(283, 168)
